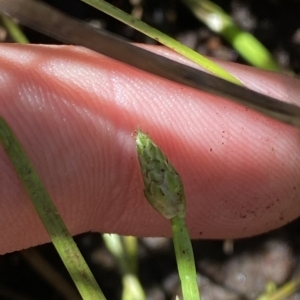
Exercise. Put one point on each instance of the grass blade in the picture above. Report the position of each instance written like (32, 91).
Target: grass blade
(163, 39)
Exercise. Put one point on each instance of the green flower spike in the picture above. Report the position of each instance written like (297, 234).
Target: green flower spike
(163, 186)
(164, 191)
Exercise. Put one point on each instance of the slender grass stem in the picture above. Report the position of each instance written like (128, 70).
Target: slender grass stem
(163, 39)
(57, 230)
(124, 249)
(185, 259)
(14, 30)
(243, 42)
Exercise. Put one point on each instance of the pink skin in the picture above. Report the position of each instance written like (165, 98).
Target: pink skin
(75, 111)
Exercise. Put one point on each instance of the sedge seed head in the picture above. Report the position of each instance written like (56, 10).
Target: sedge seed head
(163, 186)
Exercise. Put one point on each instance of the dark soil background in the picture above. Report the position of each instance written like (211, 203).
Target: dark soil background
(229, 270)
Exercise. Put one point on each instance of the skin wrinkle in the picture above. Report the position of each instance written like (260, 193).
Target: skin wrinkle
(221, 187)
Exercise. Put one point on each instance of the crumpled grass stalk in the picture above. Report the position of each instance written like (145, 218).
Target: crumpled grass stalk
(14, 30)
(124, 249)
(164, 190)
(163, 39)
(252, 50)
(53, 223)
(283, 292)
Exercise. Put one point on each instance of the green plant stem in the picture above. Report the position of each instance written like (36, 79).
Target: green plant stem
(251, 49)
(14, 30)
(164, 190)
(163, 39)
(57, 230)
(125, 252)
(185, 259)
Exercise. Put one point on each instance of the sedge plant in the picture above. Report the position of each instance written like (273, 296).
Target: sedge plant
(164, 191)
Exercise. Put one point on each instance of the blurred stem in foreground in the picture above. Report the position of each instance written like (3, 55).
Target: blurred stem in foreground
(164, 191)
